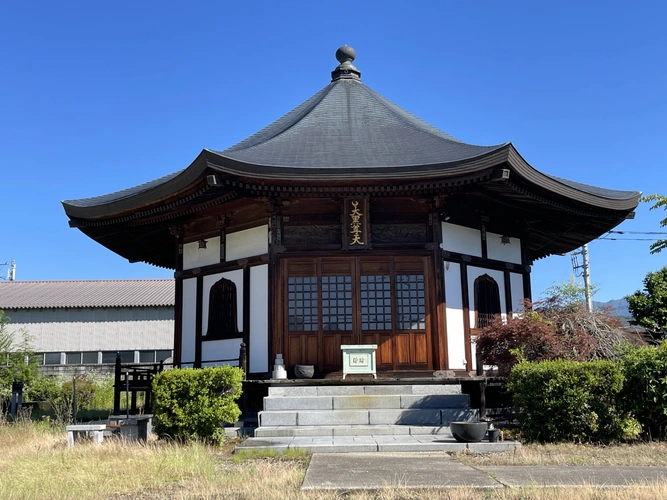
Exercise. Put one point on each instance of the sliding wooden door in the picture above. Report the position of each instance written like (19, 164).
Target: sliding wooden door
(331, 301)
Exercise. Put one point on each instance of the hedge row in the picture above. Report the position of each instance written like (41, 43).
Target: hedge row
(595, 400)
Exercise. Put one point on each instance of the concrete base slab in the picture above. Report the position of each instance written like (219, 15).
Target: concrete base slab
(511, 475)
(359, 471)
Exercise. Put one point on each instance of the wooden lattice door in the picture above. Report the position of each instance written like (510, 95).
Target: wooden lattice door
(331, 301)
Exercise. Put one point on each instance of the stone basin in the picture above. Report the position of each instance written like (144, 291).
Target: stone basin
(468, 432)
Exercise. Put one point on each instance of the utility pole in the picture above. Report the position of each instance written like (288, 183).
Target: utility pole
(586, 273)
(587, 279)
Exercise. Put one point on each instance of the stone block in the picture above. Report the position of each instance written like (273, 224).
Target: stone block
(373, 390)
(459, 415)
(366, 401)
(436, 389)
(426, 430)
(371, 430)
(340, 390)
(273, 418)
(404, 417)
(331, 417)
(293, 391)
(434, 401)
(298, 403)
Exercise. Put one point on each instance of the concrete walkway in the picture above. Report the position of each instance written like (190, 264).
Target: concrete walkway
(358, 471)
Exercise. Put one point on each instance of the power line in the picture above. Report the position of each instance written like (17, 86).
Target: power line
(636, 232)
(628, 239)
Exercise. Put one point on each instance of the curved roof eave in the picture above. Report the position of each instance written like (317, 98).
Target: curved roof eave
(591, 195)
(137, 196)
(166, 187)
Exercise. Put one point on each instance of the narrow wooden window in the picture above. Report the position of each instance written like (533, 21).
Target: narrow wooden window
(337, 303)
(222, 312)
(487, 300)
(302, 313)
(375, 302)
(410, 302)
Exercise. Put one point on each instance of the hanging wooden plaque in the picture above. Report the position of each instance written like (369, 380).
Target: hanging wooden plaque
(356, 234)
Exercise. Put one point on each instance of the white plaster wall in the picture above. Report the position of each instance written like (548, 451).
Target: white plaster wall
(254, 241)
(221, 349)
(189, 320)
(259, 319)
(461, 239)
(454, 315)
(510, 252)
(193, 256)
(498, 276)
(518, 295)
(237, 278)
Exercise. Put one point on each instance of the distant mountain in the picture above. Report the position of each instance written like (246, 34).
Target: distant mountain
(615, 306)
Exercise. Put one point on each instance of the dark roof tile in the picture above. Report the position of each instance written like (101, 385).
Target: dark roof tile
(349, 125)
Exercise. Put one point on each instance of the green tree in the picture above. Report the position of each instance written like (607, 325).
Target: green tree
(649, 306)
(17, 360)
(660, 202)
(570, 295)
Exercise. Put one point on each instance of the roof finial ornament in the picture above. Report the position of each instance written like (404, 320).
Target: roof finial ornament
(345, 69)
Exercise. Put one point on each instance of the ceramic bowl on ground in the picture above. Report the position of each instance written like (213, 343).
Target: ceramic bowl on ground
(304, 371)
(468, 432)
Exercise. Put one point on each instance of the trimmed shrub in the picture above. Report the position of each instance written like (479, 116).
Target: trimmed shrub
(193, 404)
(645, 388)
(571, 401)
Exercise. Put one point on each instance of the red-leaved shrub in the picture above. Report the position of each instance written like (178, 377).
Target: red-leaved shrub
(533, 338)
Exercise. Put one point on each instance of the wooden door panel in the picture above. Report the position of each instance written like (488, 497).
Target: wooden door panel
(420, 354)
(384, 353)
(337, 267)
(294, 350)
(332, 355)
(374, 267)
(403, 348)
(302, 350)
(310, 349)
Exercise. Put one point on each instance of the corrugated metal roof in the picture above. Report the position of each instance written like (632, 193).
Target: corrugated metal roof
(88, 293)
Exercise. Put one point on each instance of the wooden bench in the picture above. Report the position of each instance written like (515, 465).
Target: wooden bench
(74, 432)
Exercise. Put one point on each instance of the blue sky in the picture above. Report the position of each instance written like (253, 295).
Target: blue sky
(101, 96)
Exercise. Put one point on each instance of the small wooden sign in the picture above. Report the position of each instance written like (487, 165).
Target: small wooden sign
(356, 235)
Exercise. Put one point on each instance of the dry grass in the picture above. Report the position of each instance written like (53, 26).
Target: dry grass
(35, 463)
(639, 454)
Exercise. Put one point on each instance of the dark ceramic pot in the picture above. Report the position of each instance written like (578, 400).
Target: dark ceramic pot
(468, 432)
(304, 371)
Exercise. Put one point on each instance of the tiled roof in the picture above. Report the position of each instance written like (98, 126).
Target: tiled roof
(349, 125)
(88, 293)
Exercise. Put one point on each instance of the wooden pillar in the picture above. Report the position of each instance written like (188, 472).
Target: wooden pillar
(440, 305)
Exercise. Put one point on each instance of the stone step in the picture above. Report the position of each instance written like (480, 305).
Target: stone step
(351, 430)
(432, 417)
(361, 390)
(395, 443)
(411, 401)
